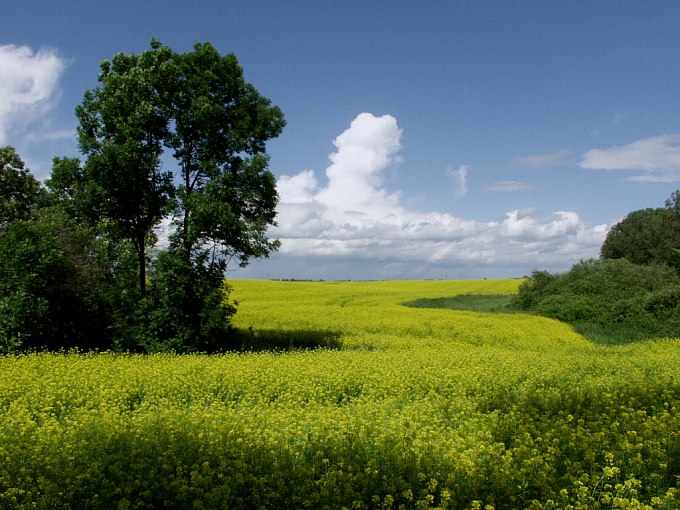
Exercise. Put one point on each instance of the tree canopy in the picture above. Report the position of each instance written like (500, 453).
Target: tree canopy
(177, 139)
(645, 236)
(213, 123)
(219, 127)
(20, 192)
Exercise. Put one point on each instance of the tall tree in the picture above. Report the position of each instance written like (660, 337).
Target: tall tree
(122, 127)
(226, 195)
(197, 109)
(216, 125)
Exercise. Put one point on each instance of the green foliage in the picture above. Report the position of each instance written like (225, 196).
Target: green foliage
(67, 281)
(631, 294)
(472, 302)
(646, 236)
(221, 198)
(121, 130)
(187, 307)
(20, 192)
(635, 300)
(226, 196)
(198, 106)
(232, 212)
(52, 286)
(534, 289)
(65, 186)
(68, 274)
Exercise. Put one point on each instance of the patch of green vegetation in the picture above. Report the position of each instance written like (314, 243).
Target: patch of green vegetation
(611, 301)
(612, 334)
(472, 302)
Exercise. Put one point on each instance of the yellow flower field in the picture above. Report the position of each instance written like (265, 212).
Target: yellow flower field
(410, 408)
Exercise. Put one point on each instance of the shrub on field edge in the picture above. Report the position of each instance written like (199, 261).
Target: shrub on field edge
(52, 286)
(186, 310)
(608, 293)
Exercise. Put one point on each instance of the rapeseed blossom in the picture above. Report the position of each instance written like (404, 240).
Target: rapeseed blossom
(410, 408)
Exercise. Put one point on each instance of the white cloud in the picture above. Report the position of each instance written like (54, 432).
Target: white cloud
(508, 186)
(28, 85)
(657, 157)
(459, 177)
(544, 160)
(352, 227)
(356, 173)
(523, 224)
(299, 188)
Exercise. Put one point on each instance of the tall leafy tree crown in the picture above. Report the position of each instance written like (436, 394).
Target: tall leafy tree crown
(197, 108)
(219, 128)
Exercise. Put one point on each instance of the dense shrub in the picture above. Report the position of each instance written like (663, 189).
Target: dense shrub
(610, 293)
(186, 309)
(646, 236)
(568, 308)
(532, 291)
(51, 286)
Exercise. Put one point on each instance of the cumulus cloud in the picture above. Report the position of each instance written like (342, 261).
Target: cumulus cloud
(657, 157)
(355, 176)
(545, 160)
(28, 85)
(351, 226)
(297, 189)
(524, 224)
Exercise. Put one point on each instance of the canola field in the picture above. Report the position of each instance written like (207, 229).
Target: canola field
(405, 408)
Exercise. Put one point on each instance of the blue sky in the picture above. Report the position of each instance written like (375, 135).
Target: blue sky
(429, 139)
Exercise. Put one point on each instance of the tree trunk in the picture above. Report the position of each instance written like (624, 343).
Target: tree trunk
(188, 190)
(141, 254)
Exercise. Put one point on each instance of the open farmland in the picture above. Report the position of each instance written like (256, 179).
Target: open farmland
(412, 408)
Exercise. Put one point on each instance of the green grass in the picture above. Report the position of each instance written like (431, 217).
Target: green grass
(489, 303)
(500, 303)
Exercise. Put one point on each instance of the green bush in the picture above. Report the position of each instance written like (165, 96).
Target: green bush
(569, 308)
(186, 310)
(615, 294)
(51, 286)
(531, 292)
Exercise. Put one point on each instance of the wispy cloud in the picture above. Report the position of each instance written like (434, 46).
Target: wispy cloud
(508, 186)
(459, 177)
(544, 160)
(617, 119)
(657, 157)
(40, 135)
(28, 85)
(352, 226)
